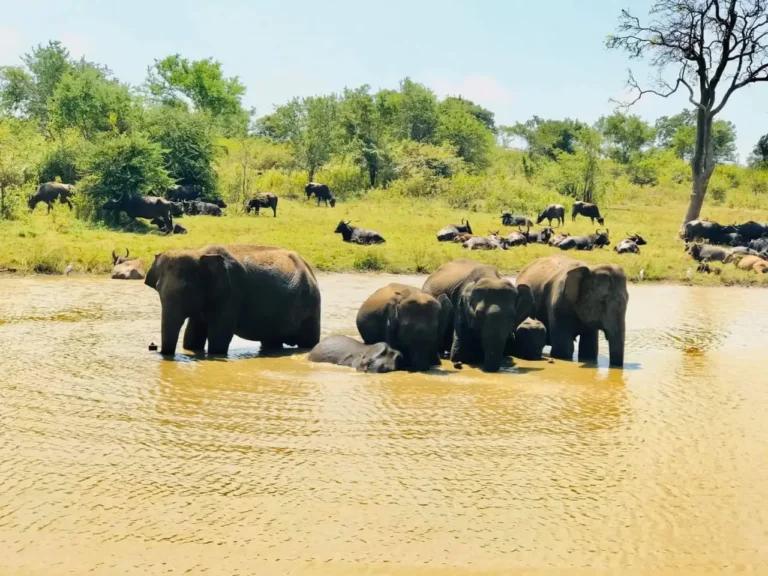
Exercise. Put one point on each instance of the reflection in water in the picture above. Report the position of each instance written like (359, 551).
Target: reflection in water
(116, 461)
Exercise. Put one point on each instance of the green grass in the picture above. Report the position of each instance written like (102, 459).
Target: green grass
(41, 243)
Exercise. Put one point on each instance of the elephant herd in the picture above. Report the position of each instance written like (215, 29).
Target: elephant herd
(465, 310)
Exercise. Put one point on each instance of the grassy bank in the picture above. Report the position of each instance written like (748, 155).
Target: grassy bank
(41, 243)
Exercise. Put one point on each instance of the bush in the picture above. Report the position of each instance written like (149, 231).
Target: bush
(66, 161)
(370, 261)
(642, 171)
(126, 164)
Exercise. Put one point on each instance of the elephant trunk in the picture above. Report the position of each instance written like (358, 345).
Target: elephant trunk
(420, 360)
(493, 349)
(172, 321)
(615, 337)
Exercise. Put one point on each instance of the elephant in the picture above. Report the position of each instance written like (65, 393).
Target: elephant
(346, 351)
(576, 299)
(530, 339)
(408, 320)
(486, 311)
(259, 293)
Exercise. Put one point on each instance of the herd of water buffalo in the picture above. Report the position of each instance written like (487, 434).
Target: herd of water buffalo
(745, 245)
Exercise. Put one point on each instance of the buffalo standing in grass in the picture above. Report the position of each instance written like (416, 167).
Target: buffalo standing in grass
(449, 233)
(267, 200)
(588, 210)
(49, 193)
(149, 207)
(552, 212)
(321, 192)
(356, 235)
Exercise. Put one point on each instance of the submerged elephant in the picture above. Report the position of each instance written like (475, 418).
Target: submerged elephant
(346, 351)
(530, 339)
(486, 311)
(576, 299)
(408, 320)
(258, 293)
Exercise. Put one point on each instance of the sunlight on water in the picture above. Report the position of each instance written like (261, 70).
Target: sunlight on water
(115, 461)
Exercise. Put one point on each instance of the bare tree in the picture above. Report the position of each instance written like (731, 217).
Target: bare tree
(714, 46)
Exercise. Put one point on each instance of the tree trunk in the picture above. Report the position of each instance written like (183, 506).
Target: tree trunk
(2, 201)
(311, 174)
(702, 165)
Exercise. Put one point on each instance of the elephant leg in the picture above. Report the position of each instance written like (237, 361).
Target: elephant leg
(588, 345)
(271, 345)
(309, 333)
(561, 336)
(195, 335)
(221, 329)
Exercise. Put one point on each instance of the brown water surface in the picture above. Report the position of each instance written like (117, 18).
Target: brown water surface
(114, 461)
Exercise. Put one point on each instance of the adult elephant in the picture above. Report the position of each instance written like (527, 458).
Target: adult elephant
(486, 311)
(259, 293)
(408, 320)
(576, 299)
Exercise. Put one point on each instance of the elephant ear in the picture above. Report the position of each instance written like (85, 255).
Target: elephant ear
(153, 275)
(573, 280)
(216, 277)
(525, 303)
(393, 321)
(462, 317)
(446, 310)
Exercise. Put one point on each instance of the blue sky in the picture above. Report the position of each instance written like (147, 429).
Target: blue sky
(516, 57)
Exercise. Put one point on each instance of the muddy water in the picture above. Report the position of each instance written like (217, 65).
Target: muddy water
(114, 461)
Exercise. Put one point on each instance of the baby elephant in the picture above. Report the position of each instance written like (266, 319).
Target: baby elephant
(346, 351)
(530, 339)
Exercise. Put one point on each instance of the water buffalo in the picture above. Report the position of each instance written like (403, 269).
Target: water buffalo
(588, 242)
(630, 245)
(184, 192)
(120, 259)
(588, 210)
(518, 238)
(759, 245)
(552, 212)
(558, 238)
(450, 232)
(752, 230)
(732, 239)
(356, 235)
(706, 252)
(266, 200)
(49, 192)
(706, 230)
(321, 192)
(177, 228)
(149, 207)
(509, 219)
(539, 237)
(483, 243)
(199, 208)
(462, 237)
(126, 268)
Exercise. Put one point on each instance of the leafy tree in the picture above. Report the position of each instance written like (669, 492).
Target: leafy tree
(417, 116)
(471, 138)
(482, 114)
(626, 135)
(202, 84)
(20, 149)
(365, 120)
(87, 99)
(126, 164)
(25, 90)
(311, 126)
(66, 160)
(716, 46)
(545, 138)
(759, 156)
(678, 133)
(188, 145)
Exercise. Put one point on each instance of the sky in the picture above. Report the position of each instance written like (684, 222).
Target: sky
(518, 58)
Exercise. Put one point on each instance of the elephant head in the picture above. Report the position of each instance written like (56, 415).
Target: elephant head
(599, 297)
(489, 311)
(415, 323)
(380, 358)
(198, 287)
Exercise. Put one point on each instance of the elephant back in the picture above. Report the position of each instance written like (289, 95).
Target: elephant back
(372, 315)
(451, 278)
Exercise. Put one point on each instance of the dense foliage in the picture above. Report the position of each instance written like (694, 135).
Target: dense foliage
(73, 121)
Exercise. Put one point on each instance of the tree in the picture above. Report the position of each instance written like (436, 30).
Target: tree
(482, 114)
(20, 150)
(470, 137)
(202, 84)
(759, 157)
(126, 164)
(365, 120)
(25, 90)
(712, 45)
(187, 141)
(417, 117)
(626, 134)
(547, 137)
(678, 133)
(87, 99)
(311, 126)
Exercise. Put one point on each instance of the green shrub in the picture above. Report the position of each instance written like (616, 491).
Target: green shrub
(370, 261)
